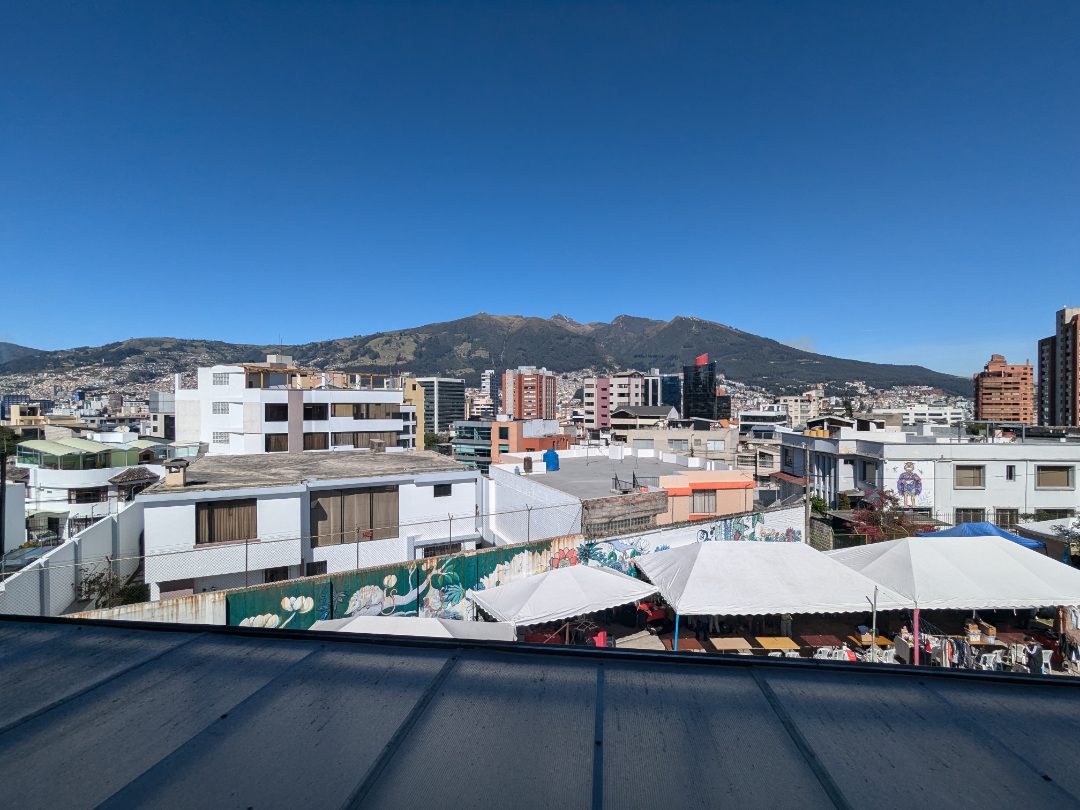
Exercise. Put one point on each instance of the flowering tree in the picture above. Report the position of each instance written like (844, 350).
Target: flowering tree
(883, 518)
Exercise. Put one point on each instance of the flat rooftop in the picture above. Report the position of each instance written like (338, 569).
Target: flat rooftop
(589, 478)
(195, 716)
(287, 469)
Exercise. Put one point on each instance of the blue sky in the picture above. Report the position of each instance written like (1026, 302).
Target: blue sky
(892, 182)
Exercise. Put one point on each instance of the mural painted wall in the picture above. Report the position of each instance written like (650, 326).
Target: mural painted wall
(436, 587)
(913, 482)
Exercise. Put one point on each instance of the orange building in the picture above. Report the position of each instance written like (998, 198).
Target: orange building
(528, 393)
(1005, 392)
(525, 437)
(702, 494)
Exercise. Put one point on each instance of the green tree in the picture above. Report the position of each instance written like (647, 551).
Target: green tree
(8, 439)
(818, 505)
(844, 503)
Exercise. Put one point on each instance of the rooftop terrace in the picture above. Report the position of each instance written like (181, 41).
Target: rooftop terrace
(289, 469)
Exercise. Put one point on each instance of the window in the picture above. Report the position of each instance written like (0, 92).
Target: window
(789, 457)
(1053, 477)
(441, 549)
(316, 441)
(642, 444)
(969, 476)
(313, 569)
(225, 521)
(1006, 518)
(220, 437)
(970, 515)
(276, 412)
(279, 574)
(351, 515)
(703, 502)
(277, 442)
(90, 495)
(504, 448)
(443, 490)
(220, 378)
(220, 408)
(362, 439)
(678, 444)
(504, 433)
(342, 409)
(869, 471)
(366, 410)
(316, 412)
(714, 445)
(1053, 514)
(1010, 472)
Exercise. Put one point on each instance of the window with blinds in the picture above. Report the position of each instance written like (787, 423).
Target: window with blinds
(316, 441)
(703, 502)
(225, 521)
(363, 439)
(969, 476)
(277, 442)
(366, 410)
(1053, 477)
(349, 515)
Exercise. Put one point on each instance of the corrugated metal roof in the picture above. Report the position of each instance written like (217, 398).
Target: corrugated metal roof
(86, 444)
(143, 715)
(51, 448)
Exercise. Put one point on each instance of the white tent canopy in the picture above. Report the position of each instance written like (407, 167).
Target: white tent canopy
(425, 627)
(965, 573)
(560, 594)
(757, 579)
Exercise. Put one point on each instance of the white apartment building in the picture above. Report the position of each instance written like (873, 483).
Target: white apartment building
(276, 407)
(235, 520)
(603, 395)
(954, 480)
(927, 413)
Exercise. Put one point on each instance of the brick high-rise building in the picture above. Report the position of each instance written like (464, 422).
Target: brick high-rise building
(1059, 371)
(528, 393)
(1005, 392)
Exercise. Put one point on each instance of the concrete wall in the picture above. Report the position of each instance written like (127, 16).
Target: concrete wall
(509, 498)
(206, 608)
(48, 586)
(14, 516)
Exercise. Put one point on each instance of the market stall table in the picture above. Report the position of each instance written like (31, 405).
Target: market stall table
(691, 644)
(725, 644)
(823, 640)
(776, 643)
(881, 641)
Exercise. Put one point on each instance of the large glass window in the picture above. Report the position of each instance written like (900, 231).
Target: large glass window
(1056, 477)
(969, 476)
(970, 515)
(277, 442)
(316, 441)
(225, 521)
(276, 412)
(351, 515)
(316, 411)
(1006, 518)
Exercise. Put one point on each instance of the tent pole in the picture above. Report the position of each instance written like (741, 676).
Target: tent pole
(675, 646)
(915, 632)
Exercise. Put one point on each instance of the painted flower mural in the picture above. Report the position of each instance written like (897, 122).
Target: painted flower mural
(564, 558)
(262, 620)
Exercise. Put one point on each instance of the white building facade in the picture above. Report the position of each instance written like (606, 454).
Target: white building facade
(278, 408)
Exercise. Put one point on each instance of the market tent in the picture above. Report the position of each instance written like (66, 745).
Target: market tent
(413, 626)
(754, 579)
(984, 529)
(560, 594)
(965, 573)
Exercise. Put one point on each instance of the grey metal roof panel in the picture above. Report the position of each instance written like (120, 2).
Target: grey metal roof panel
(698, 738)
(499, 732)
(305, 739)
(145, 715)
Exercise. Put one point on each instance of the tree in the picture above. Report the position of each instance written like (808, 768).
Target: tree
(431, 440)
(884, 519)
(8, 439)
(844, 503)
(849, 410)
(818, 505)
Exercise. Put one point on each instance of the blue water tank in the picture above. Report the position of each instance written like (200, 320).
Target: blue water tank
(551, 460)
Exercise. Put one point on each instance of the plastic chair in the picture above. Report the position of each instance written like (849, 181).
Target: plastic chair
(1046, 656)
(776, 654)
(792, 654)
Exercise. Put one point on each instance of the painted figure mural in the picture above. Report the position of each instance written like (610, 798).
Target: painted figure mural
(909, 486)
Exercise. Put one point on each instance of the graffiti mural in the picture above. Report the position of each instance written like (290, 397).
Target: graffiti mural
(913, 482)
(438, 587)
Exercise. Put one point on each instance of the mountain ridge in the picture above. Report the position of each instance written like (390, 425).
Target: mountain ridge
(464, 347)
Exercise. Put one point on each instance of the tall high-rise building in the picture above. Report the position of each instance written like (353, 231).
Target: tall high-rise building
(700, 399)
(1005, 392)
(1059, 372)
(444, 402)
(528, 393)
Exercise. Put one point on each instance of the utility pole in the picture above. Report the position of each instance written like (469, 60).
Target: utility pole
(3, 499)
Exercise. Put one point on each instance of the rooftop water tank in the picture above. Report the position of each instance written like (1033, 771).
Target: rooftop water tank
(551, 460)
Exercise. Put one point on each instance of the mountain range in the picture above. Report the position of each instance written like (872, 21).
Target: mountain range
(467, 346)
